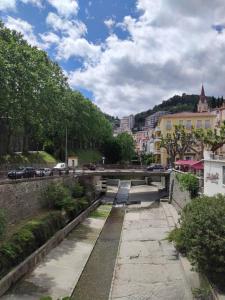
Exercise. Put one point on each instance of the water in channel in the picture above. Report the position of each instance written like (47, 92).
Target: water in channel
(96, 278)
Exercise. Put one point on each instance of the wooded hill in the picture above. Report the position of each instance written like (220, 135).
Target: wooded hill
(176, 104)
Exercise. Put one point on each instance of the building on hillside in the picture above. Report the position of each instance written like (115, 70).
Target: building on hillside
(189, 120)
(141, 139)
(203, 103)
(152, 120)
(127, 124)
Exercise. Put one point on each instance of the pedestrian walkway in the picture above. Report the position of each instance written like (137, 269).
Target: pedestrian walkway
(60, 271)
(147, 265)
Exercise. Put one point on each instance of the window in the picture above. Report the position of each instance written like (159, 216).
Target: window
(207, 124)
(199, 124)
(188, 124)
(181, 122)
(168, 125)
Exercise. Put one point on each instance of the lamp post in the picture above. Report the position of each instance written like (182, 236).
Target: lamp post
(66, 149)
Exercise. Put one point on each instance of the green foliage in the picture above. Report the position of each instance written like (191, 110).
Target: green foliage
(189, 182)
(88, 156)
(112, 151)
(31, 236)
(202, 293)
(77, 190)
(56, 196)
(2, 222)
(148, 159)
(37, 104)
(126, 142)
(178, 142)
(202, 236)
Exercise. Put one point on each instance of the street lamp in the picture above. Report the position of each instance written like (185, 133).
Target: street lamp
(66, 149)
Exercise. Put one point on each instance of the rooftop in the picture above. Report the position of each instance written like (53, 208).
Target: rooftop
(189, 115)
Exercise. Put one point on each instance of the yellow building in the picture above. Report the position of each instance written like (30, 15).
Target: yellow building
(189, 120)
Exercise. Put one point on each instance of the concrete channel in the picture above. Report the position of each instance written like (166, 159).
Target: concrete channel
(82, 267)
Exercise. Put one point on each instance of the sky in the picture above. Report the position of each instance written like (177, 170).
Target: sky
(128, 55)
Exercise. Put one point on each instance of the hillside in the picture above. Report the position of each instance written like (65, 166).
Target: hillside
(176, 104)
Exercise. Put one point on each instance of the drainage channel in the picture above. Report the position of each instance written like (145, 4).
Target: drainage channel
(122, 196)
(96, 278)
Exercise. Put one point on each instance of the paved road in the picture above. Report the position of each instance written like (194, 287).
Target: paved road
(147, 267)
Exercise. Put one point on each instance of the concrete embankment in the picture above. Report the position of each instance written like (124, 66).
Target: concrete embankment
(60, 270)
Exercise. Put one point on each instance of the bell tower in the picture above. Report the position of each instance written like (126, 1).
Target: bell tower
(203, 104)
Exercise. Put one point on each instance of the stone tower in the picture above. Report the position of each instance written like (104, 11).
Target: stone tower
(203, 104)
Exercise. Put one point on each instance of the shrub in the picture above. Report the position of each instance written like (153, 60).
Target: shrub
(30, 237)
(77, 190)
(202, 235)
(189, 182)
(56, 196)
(2, 223)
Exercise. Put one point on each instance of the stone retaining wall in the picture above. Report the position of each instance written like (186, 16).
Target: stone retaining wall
(23, 198)
(178, 197)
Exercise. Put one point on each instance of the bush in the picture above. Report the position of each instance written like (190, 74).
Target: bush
(202, 235)
(77, 190)
(30, 237)
(2, 223)
(189, 182)
(56, 196)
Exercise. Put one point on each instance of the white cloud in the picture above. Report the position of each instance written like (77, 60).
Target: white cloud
(72, 42)
(72, 28)
(69, 47)
(33, 2)
(109, 23)
(171, 48)
(50, 38)
(65, 8)
(7, 5)
(26, 29)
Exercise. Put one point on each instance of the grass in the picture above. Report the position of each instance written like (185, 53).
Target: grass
(40, 157)
(88, 156)
(101, 213)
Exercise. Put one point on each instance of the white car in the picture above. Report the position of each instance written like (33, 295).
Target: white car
(60, 167)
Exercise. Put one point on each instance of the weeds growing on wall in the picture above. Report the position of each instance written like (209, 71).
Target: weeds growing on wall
(2, 223)
(201, 236)
(188, 182)
(35, 233)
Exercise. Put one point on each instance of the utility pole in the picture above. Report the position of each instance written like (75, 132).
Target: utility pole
(66, 149)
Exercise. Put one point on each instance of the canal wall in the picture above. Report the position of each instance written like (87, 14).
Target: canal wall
(23, 198)
(178, 196)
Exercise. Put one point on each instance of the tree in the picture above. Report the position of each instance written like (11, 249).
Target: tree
(126, 143)
(112, 151)
(178, 142)
(214, 138)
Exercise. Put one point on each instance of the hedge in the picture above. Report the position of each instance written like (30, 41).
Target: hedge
(201, 236)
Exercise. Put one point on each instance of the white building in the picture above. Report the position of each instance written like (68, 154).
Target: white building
(127, 123)
(214, 174)
(152, 120)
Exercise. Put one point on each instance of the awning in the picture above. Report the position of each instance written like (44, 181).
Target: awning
(193, 164)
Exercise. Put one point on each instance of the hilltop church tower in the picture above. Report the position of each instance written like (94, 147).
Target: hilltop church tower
(203, 104)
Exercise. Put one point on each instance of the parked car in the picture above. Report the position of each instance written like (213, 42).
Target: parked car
(155, 167)
(22, 172)
(60, 167)
(44, 172)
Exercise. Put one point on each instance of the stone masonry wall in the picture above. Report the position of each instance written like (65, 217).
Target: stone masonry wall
(178, 197)
(21, 199)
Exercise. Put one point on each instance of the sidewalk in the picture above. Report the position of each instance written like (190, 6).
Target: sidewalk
(147, 265)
